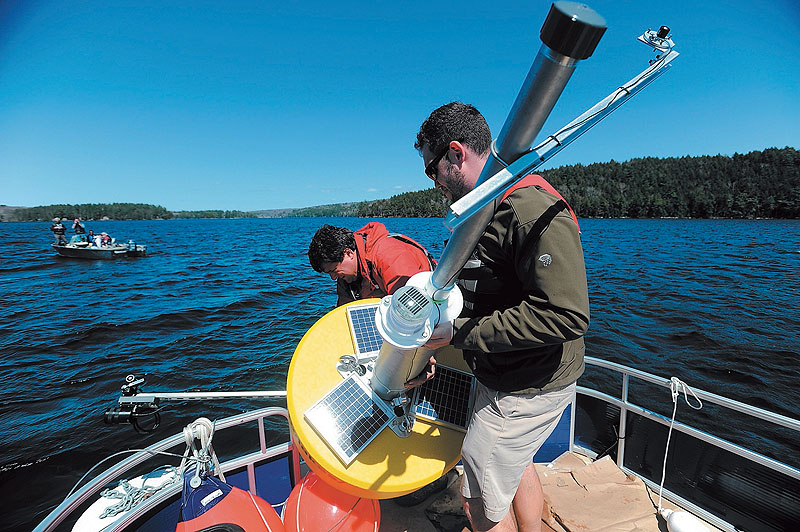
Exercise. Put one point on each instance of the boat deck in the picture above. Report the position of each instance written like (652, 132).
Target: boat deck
(580, 495)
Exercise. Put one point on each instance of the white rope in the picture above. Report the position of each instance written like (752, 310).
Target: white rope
(107, 458)
(130, 495)
(201, 429)
(675, 387)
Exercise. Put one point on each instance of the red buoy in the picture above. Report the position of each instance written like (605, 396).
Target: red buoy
(315, 505)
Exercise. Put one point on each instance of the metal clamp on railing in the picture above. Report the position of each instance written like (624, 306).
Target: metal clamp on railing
(135, 405)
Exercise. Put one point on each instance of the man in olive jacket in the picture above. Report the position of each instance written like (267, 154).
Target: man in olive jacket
(521, 331)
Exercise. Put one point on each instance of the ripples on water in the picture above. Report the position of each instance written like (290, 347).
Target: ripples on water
(717, 300)
(221, 304)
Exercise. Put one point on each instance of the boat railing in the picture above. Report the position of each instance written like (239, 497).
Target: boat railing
(119, 470)
(626, 407)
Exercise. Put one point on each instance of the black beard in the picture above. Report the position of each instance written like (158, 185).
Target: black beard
(454, 181)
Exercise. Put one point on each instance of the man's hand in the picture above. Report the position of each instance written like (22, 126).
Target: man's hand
(441, 336)
(425, 376)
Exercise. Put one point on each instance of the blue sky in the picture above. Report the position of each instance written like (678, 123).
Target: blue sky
(261, 105)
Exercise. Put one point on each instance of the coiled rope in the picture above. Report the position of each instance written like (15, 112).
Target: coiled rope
(202, 456)
(130, 495)
(201, 429)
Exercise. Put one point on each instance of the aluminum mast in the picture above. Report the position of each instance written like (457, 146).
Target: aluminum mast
(569, 34)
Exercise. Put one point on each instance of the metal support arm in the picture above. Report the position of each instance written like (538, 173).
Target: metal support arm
(490, 189)
(153, 398)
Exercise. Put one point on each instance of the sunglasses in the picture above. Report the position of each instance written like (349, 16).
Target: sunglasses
(431, 168)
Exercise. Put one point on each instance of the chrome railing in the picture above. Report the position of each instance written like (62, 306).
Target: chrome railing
(625, 406)
(119, 470)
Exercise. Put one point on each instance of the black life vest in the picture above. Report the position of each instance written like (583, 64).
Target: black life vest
(489, 286)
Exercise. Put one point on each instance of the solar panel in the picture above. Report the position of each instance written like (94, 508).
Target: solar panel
(348, 418)
(362, 328)
(447, 398)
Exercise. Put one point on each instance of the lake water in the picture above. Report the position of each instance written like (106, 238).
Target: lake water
(221, 304)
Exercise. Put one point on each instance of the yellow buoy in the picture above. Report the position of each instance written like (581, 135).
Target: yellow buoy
(389, 466)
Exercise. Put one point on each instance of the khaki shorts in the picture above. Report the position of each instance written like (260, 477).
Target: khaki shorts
(504, 433)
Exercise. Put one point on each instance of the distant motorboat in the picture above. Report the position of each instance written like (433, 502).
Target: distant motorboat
(80, 248)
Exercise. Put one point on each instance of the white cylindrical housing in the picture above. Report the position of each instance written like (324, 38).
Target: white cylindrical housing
(395, 366)
(405, 321)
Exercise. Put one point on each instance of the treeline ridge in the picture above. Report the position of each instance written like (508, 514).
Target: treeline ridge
(759, 184)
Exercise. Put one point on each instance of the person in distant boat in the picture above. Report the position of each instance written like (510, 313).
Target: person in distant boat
(526, 309)
(58, 230)
(366, 263)
(105, 239)
(91, 238)
(77, 226)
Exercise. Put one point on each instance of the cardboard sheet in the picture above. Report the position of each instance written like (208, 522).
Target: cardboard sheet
(596, 497)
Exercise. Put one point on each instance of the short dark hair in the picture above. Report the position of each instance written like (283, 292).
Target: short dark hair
(455, 121)
(328, 245)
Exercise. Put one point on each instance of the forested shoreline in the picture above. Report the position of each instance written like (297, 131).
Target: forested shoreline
(92, 211)
(759, 184)
(115, 211)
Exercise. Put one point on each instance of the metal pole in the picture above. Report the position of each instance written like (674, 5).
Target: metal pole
(480, 196)
(570, 33)
(623, 421)
(155, 397)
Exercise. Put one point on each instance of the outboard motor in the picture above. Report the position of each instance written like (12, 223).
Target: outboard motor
(131, 245)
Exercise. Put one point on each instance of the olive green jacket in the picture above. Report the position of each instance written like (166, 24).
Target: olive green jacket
(526, 298)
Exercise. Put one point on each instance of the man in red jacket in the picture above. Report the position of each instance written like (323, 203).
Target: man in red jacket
(367, 263)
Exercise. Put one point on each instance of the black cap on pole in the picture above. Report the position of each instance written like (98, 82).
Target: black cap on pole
(572, 29)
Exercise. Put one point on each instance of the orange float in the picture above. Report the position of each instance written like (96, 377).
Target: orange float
(314, 505)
